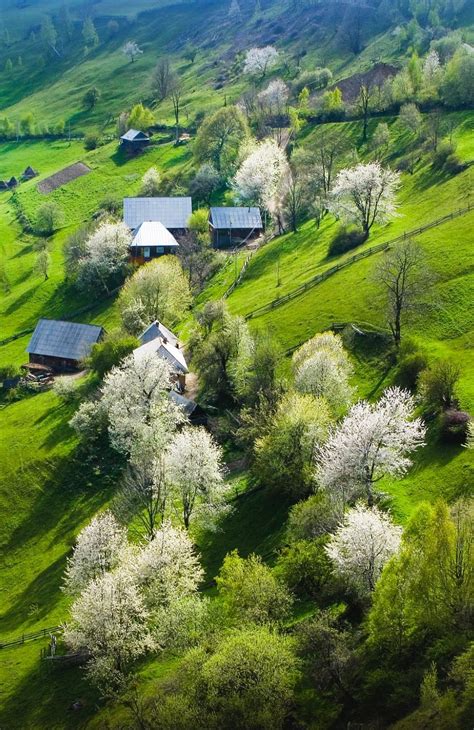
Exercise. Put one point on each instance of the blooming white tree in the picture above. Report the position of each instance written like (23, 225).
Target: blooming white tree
(194, 467)
(365, 194)
(142, 418)
(151, 182)
(274, 98)
(320, 376)
(106, 256)
(109, 621)
(470, 435)
(362, 545)
(432, 69)
(260, 176)
(90, 421)
(322, 368)
(259, 60)
(372, 441)
(132, 50)
(167, 568)
(99, 548)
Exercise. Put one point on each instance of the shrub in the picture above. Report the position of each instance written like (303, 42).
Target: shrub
(454, 165)
(311, 518)
(345, 240)
(409, 368)
(49, 218)
(305, 567)
(111, 204)
(454, 426)
(445, 149)
(91, 141)
(65, 388)
(105, 355)
(437, 385)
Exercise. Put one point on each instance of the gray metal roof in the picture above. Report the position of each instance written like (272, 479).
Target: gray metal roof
(188, 406)
(133, 135)
(69, 340)
(236, 218)
(171, 212)
(157, 329)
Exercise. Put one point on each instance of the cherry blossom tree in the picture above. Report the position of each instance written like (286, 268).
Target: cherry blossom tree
(144, 494)
(167, 568)
(99, 548)
(193, 462)
(261, 174)
(323, 368)
(132, 50)
(151, 183)
(109, 622)
(362, 545)
(274, 98)
(365, 194)
(105, 257)
(142, 418)
(259, 60)
(372, 441)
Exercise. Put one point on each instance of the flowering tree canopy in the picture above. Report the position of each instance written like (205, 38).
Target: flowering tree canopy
(362, 545)
(365, 194)
(373, 440)
(105, 257)
(99, 548)
(141, 414)
(194, 468)
(274, 97)
(259, 60)
(260, 175)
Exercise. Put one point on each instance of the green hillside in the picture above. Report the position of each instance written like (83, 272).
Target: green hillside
(291, 289)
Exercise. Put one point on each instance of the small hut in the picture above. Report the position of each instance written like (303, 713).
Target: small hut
(233, 226)
(29, 173)
(3, 185)
(12, 183)
(134, 141)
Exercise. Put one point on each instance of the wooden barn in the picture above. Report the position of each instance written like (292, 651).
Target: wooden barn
(3, 185)
(234, 226)
(12, 183)
(152, 239)
(62, 345)
(172, 213)
(134, 141)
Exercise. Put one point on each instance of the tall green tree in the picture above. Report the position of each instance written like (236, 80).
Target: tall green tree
(219, 138)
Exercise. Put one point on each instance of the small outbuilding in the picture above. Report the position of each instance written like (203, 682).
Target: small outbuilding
(172, 213)
(197, 416)
(62, 345)
(134, 141)
(152, 239)
(234, 226)
(12, 183)
(3, 185)
(29, 173)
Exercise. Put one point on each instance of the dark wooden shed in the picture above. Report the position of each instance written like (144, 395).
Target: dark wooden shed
(62, 345)
(134, 141)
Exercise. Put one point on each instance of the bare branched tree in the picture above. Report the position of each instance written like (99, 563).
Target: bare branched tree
(403, 277)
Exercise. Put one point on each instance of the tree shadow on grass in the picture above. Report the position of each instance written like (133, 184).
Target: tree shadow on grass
(255, 525)
(22, 299)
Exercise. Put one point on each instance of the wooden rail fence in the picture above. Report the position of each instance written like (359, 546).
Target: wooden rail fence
(352, 259)
(32, 636)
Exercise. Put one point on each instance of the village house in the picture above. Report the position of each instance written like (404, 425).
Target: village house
(160, 341)
(152, 239)
(172, 213)
(134, 141)
(61, 345)
(234, 226)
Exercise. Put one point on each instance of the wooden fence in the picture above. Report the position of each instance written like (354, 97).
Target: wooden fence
(352, 259)
(32, 636)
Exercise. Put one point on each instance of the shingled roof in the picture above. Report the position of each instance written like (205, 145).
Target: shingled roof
(173, 355)
(228, 218)
(68, 340)
(171, 212)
